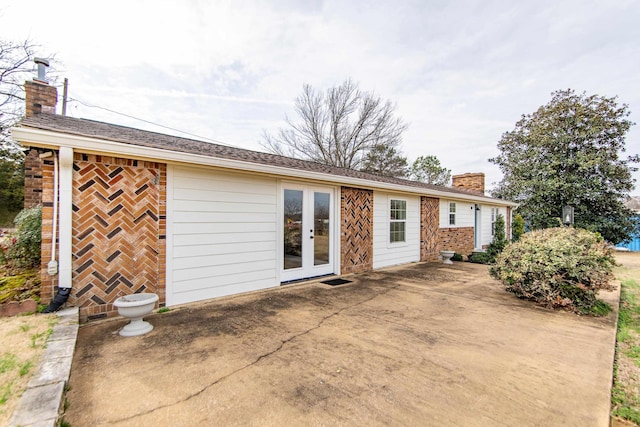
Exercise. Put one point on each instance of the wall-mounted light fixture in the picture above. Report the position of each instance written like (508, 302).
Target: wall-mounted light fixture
(567, 215)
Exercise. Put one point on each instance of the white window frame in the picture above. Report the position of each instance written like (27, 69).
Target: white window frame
(393, 220)
(452, 213)
(494, 216)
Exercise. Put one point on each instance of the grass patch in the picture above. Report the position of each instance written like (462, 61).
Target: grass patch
(5, 393)
(22, 340)
(40, 339)
(625, 404)
(25, 368)
(599, 309)
(36, 339)
(7, 362)
(625, 393)
(164, 310)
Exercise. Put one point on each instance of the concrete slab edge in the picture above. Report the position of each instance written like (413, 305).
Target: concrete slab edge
(40, 404)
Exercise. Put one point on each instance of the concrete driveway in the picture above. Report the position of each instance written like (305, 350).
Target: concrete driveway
(419, 345)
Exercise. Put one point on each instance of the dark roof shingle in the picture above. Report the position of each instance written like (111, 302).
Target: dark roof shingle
(138, 137)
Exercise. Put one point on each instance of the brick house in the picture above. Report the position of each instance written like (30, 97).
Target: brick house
(141, 211)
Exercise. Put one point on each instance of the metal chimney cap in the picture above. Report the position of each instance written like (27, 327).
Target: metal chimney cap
(43, 61)
(43, 64)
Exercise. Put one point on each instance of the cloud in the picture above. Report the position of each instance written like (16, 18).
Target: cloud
(461, 73)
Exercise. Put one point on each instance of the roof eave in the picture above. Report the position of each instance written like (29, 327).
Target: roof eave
(34, 137)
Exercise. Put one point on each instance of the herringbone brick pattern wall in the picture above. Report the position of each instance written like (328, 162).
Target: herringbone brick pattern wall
(429, 224)
(118, 231)
(356, 230)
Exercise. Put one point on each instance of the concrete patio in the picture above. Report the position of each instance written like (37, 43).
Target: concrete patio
(422, 344)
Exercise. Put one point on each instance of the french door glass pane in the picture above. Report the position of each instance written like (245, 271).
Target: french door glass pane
(292, 229)
(321, 233)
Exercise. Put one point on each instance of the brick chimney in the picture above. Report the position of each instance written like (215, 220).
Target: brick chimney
(40, 97)
(470, 182)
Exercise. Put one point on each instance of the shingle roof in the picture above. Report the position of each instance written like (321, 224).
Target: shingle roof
(138, 137)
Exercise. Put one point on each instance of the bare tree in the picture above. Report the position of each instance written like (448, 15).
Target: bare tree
(15, 66)
(338, 128)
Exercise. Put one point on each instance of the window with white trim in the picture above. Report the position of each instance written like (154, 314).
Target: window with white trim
(397, 220)
(452, 213)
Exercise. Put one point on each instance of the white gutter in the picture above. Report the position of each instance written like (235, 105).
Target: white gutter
(65, 222)
(51, 139)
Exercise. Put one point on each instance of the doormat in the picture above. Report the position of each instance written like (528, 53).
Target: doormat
(336, 282)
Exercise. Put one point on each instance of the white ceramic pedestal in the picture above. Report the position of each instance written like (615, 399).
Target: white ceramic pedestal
(135, 307)
(446, 256)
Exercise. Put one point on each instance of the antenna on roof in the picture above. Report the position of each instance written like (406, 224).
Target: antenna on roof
(64, 97)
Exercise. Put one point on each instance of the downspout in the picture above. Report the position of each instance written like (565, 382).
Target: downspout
(63, 181)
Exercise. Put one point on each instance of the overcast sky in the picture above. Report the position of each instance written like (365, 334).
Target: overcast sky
(461, 72)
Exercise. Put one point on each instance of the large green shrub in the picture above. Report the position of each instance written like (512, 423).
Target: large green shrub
(22, 248)
(557, 267)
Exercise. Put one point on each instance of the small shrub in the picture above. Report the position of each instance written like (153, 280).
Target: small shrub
(600, 308)
(557, 267)
(457, 257)
(499, 241)
(22, 248)
(517, 227)
(480, 258)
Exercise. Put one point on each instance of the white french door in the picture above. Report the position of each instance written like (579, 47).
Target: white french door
(308, 236)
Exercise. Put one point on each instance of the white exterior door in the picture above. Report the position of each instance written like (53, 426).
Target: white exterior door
(477, 226)
(308, 235)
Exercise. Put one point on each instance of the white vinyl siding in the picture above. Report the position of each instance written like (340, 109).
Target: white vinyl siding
(465, 215)
(221, 234)
(386, 253)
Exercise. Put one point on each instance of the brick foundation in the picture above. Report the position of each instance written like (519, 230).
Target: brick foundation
(456, 239)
